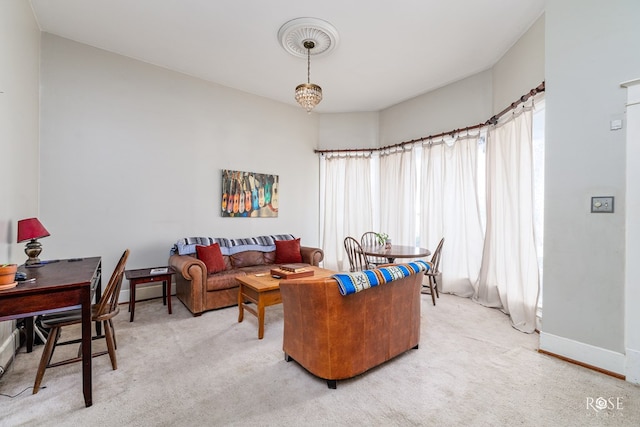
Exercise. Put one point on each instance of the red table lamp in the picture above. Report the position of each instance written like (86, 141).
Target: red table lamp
(31, 229)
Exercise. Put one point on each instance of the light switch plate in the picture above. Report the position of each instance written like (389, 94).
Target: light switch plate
(602, 204)
(616, 124)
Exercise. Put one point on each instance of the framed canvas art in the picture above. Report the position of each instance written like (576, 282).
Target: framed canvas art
(249, 194)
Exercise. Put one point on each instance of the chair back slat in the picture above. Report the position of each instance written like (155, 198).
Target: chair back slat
(434, 272)
(109, 299)
(435, 258)
(357, 258)
(370, 238)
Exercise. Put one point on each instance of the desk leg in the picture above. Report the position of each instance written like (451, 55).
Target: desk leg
(132, 299)
(86, 346)
(98, 295)
(28, 327)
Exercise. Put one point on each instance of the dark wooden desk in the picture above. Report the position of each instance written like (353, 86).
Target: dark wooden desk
(58, 286)
(143, 275)
(96, 292)
(396, 251)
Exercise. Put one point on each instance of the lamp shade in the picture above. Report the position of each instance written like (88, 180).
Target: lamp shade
(31, 228)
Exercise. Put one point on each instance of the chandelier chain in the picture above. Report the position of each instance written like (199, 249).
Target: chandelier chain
(308, 65)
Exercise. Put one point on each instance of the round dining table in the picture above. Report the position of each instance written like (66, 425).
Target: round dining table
(396, 251)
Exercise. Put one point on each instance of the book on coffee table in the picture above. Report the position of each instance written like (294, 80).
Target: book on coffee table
(294, 268)
(284, 274)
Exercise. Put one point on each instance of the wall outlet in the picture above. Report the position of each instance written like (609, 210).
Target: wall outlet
(602, 204)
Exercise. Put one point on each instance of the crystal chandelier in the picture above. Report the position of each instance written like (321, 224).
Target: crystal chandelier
(308, 95)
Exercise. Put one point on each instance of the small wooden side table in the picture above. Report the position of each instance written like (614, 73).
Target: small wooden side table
(146, 275)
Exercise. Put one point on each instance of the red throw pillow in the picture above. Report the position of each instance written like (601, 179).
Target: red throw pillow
(288, 251)
(211, 256)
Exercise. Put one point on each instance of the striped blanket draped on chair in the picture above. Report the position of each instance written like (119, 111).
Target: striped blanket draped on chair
(350, 283)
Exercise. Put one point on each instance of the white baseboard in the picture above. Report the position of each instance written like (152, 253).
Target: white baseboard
(8, 350)
(632, 367)
(583, 353)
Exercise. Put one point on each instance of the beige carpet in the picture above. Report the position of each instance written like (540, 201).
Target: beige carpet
(472, 369)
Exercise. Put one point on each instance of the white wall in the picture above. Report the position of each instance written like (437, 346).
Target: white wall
(132, 157)
(520, 69)
(591, 47)
(19, 103)
(348, 130)
(458, 105)
(19, 74)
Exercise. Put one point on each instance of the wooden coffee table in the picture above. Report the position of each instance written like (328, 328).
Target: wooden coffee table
(264, 290)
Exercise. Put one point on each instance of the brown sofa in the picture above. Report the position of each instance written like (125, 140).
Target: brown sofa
(337, 337)
(200, 291)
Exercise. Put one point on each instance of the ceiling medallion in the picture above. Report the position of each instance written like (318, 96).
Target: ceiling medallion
(294, 33)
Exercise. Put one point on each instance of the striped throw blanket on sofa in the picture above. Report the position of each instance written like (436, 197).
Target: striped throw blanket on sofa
(230, 246)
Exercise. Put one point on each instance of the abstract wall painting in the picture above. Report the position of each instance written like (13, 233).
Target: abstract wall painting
(249, 194)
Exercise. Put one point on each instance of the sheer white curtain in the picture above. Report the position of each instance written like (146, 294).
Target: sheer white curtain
(509, 274)
(450, 209)
(398, 196)
(345, 204)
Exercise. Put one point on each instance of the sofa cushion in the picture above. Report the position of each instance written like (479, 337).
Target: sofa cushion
(288, 251)
(247, 259)
(269, 257)
(212, 257)
(223, 280)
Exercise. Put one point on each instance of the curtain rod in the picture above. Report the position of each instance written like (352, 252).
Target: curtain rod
(491, 121)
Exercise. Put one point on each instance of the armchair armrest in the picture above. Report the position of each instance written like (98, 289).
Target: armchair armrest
(311, 256)
(189, 267)
(191, 281)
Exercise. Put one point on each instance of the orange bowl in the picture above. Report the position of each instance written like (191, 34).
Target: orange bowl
(8, 273)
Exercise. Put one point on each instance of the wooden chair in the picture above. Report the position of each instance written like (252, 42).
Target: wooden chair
(102, 311)
(433, 273)
(370, 238)
(357, 258)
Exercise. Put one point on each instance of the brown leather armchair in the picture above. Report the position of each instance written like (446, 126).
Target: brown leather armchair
(337, 337)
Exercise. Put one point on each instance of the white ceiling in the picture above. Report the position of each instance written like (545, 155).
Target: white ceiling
(387, 52)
